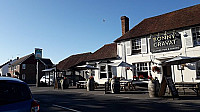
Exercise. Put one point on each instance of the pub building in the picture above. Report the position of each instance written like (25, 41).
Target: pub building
(157, 39)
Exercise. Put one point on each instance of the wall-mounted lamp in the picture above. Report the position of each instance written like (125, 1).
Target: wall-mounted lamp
(185, 34)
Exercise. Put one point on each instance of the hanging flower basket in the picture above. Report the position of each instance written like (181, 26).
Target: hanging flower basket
(127, 68)
(141, 77)
(91, 77)
(135, 77)
(156, 69)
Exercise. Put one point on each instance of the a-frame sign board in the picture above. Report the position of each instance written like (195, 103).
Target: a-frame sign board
(167, 80)
(171, 86)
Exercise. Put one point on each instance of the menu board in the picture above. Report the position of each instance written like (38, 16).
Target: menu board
(171, 86)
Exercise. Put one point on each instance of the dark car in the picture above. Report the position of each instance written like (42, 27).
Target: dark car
(15, 96)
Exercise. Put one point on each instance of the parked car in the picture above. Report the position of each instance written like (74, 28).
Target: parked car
(15, 96)
(45, 79)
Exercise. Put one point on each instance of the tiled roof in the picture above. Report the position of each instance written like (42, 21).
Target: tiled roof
(177, 19)
(5, 64)
(20, 60)
(108, 51)
(72, 61)
(47, 62)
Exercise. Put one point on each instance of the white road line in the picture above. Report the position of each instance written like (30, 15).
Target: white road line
(66, 108)
(123, 97)
(38, 90)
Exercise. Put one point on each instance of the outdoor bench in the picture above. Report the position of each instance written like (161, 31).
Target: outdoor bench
(184, 85)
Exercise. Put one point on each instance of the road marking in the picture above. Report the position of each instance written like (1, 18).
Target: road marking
(66, 108)
(123, 97)
(38, 90)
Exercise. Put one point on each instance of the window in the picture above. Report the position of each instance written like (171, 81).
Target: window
(103, 68)
(109, 72)
(196, 35)
(198, 69)
(136, 46)
(142, 69)
(105, 71)
(23, 66)
(23, 76)
(103, 75)
(93, 73)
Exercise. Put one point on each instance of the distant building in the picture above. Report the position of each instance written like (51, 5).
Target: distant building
(25, 68)
(101, 59)
(69, 65)
(4, 69)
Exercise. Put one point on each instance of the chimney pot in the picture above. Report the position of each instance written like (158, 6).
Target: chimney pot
(125, 24)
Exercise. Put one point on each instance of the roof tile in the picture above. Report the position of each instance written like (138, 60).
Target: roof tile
(177, 19)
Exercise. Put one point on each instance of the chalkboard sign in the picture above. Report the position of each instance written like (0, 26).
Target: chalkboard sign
(171, 86)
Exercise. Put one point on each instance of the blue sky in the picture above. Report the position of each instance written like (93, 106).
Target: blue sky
(66, 27)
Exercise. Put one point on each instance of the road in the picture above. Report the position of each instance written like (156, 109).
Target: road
(80, 100)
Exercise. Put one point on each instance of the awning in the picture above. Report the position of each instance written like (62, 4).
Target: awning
(180, 60)
(121, 64)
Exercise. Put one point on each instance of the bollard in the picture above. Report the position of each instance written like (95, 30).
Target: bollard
(90, 84)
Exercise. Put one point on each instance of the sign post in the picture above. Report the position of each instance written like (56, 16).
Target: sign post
(38, 55)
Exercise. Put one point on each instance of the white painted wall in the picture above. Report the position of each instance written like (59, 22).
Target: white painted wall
(189, 74)
(5, 69)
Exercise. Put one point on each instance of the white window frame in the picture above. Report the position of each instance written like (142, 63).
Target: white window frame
(142, 67)
(107, 71)
(196, 35)
(104, 72)
(136, 45)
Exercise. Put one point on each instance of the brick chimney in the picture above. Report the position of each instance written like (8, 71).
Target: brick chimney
(125, 24)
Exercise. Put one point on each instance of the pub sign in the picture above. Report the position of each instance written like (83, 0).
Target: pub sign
(38, 53)
(164, 43)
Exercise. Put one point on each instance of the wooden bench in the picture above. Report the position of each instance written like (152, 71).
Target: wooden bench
(127, 85)
(186, 85)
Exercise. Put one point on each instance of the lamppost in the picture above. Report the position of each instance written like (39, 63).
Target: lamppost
(37, 74)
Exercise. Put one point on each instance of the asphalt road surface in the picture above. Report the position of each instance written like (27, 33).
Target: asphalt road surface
(80, 100)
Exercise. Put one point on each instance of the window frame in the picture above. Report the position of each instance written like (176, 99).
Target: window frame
(136, 46)
(197, 70)
(107, 72)
(196, 35)
(23, 66)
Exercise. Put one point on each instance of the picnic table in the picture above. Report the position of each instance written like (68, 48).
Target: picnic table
(195, 86)
(127, 84)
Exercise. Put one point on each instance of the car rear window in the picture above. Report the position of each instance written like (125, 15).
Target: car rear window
(11, 92)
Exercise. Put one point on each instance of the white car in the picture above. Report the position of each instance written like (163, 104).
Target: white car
(46, 79)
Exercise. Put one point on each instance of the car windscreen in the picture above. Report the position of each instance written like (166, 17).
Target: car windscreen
(11, 92)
